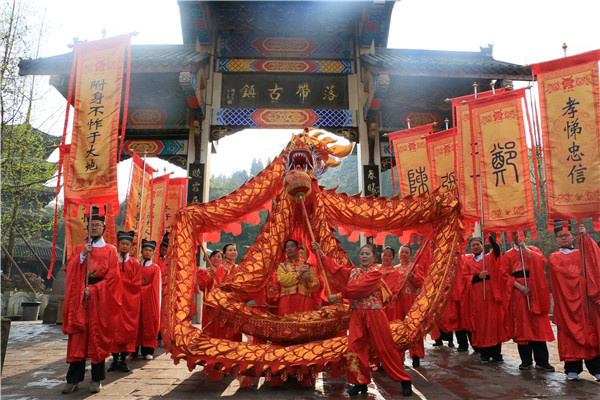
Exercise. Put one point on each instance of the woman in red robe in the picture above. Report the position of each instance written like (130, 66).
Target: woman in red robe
(206, 279)
(484, 306)
(527, 322)
(369, 325)
(131, 279)
(576, 303)
(90, 313)
(405, 291)
(150, 304)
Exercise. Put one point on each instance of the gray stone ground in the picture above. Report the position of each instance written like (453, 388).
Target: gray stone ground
(35, 368)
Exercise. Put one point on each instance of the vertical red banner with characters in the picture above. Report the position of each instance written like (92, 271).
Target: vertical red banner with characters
(499, 130)
(442, 159)
(410, 150)
(138, 201)
(175, 200)
(99, 67)
(160, 186)
(466, 154)
(570, 118)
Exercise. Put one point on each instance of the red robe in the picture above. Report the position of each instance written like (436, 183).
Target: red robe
(296, 294)
(368, 324)
(206, 279)
(91, 328)
(524, 325)
(405, 292)
(129, 316)
(161, 263)
(150, 306)
(485, 317)
(578, 331)
(453, 319)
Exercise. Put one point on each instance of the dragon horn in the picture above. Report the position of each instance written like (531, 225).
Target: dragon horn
(317, 134)
(327, 140)
(332, 163)
(341, 151)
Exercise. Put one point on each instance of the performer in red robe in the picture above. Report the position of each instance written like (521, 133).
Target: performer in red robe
(162, 254)
(129, 317)
(150, 304)
(452, 319)
(576, 302)
(406, 289)
(206, 279)
(527, 321)
(485, 307)
(89, 312)
(297, 280)
(369, 326)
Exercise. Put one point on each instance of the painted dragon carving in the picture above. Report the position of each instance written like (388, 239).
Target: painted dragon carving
(302, 344)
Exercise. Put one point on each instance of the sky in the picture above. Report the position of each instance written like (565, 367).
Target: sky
(521, 31)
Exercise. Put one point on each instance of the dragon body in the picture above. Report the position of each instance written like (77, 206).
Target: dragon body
(301, 344)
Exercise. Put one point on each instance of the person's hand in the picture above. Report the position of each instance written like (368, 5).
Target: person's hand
(86, 293)
(522, 289)
(315, 246)
(332, 298)
(582, 229)
(483, 274)
(86, 249)
(395, 297)
(410, 275)
(492, 240)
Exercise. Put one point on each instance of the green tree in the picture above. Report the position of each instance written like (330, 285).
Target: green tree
(257, 167)
(24, 149)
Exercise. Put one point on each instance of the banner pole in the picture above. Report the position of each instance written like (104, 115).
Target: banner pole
(139, 241)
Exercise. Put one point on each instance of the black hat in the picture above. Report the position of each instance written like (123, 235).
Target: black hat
(470, 240)
(96, 214)
(148, 243)
(165, 240)
(559, 225)
(128, 236)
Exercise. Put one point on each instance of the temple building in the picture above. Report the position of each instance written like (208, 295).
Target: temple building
(285, 64)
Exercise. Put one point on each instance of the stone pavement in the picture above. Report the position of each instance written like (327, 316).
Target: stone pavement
(35, 368)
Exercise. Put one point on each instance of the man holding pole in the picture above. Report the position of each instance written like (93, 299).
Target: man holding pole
(527, 321)
(575, 284)
(92, 302)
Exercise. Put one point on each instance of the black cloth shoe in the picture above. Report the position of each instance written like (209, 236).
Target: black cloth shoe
(115, 365)
(416, 362)
(546, 367)
(525, 366)
(123, 367)
(461, 348)
(498, 358)
(380, 368)
(451, 344)
(406, 388)
(357, 389)
(438, 342)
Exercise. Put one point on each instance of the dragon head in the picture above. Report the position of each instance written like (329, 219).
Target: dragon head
(307, 153)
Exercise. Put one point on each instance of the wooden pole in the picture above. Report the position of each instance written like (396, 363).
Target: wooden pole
(17, 267)
(300, 197)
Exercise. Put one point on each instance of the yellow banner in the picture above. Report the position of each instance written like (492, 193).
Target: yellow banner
(138, 202)
(410, 149)
(159, 200)
(570, 112)
(441, 154)
(504, 162)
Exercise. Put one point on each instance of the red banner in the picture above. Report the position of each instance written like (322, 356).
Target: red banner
(499, 131)
(442, 158)
(159, 201)
(176, 196)
(466, 158)
(570, 117)
(410, 150)
(99, 68)
(138, 201)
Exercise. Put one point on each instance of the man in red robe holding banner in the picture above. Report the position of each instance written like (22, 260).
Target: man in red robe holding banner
(91, 305)
(576, 302)
(150, 304)
(297, 280)
(131, 279)
(484, 306)
(527, 321)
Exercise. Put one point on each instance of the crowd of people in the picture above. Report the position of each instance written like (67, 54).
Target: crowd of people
(112, 303)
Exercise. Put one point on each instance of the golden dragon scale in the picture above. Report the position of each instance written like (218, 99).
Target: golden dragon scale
(301, 344)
